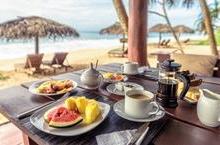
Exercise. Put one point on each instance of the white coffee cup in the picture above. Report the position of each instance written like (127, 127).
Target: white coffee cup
(140, 107)
(130, 68)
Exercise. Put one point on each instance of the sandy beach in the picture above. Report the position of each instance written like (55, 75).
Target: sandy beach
(79, 59)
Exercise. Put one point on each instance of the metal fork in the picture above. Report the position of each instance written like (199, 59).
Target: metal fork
(138, 133)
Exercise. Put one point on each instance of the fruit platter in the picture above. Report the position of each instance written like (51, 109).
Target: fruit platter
(113, 77)
(52, 87)
(74, 116)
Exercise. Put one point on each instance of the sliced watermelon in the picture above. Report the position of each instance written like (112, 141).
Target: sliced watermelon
(62, 117)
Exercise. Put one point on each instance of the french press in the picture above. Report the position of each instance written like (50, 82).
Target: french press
(169, 78)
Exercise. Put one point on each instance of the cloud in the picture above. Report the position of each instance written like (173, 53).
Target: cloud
(84, 14)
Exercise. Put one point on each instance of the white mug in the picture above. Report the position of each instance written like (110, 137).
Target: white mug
(140, 108)
(130, 68)
(208, 108)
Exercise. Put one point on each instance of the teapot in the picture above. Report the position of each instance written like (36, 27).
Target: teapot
(91, 78)
(208, 108)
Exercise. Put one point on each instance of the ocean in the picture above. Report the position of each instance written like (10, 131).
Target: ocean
(87, 40)
(87, 17)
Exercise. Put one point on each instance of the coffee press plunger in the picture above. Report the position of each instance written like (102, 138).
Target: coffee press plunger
(169, 78)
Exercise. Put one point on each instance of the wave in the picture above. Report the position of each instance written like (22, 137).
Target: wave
(22, 48)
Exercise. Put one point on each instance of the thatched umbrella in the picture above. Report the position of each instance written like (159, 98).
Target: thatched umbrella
(182, 29)
(115, 29)
(160, 28)
(34, 27)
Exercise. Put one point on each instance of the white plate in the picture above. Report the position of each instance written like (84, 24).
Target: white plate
(119, 110)
(112, 89)
(33, 87)
(38, 121)
(115, 81)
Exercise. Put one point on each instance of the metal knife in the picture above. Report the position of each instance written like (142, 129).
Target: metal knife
(138, 133)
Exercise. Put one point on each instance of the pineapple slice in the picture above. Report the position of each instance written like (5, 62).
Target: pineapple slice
(81, 103)
(108, 75)
(70, 104)
(92, 111)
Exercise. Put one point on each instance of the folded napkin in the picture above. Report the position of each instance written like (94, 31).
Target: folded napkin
(115, 138)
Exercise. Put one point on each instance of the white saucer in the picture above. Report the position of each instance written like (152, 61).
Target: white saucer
(140, 71)
(119, 110)
(112, 89)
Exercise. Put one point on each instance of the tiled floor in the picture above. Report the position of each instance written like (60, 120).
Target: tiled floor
(10, 135)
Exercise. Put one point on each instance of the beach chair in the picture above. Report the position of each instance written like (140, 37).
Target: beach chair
(58, 61)
(186, 41)
(119, 52)
(162, 42)
(166, 44)
(33, 63)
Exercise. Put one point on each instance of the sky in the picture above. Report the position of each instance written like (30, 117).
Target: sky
(87, 15)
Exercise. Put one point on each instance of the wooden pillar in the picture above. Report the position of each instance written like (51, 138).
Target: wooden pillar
(36, 44)
(137, 31)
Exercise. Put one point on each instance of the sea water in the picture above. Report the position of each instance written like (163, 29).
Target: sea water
(87, 40)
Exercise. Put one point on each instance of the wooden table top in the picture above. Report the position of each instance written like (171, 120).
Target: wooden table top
(183, 126)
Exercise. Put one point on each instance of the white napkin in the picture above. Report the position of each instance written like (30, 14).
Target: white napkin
(115, 138)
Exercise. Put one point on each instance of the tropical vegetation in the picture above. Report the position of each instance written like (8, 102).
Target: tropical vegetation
(207, 16)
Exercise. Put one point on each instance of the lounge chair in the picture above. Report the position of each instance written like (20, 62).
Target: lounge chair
(58, 61)
(33, 63)
(166, 44)
(162, 42)
(186, 41)
(120, 52)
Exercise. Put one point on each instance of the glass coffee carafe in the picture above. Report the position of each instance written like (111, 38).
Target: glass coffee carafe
(169, 78)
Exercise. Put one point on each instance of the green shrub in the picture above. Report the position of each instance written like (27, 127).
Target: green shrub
(2, 77)
(217, 36)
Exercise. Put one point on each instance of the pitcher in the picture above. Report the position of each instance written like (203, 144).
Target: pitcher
(208, 108)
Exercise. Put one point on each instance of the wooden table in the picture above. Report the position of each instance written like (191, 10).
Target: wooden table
(181, 125)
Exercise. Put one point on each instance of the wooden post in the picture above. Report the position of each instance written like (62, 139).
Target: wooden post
(36, 44)
(137, 31)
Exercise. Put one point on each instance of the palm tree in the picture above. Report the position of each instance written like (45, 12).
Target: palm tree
(123, 18)
(208, 26)
(205, 14)
(122, 15)
(170, 4)
(214, 9)
(166, 17)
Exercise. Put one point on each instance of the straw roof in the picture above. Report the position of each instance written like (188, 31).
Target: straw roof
(34, 26)
(183, 29)
(113, 29)
(160, 28)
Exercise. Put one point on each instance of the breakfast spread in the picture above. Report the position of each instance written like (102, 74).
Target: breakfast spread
(74, 111)
(55, 86)
(113, 76)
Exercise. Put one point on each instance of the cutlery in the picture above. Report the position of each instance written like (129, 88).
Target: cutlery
(31, 111)
(138, 134)
(141, 138)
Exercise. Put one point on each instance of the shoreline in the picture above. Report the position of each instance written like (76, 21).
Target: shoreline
(91, 53)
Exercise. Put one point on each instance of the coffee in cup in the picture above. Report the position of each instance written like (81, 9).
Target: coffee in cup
(140, 103)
